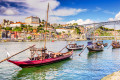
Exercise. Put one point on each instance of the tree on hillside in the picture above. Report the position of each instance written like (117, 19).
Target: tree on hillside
(77, 30)
(17, 29)
(75, 24)
(8, 28)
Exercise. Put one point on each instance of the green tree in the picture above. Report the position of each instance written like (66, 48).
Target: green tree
(77, 30)
(75, 24)
(63, 31)
(17, 29)
(29, 37)
(8, 28)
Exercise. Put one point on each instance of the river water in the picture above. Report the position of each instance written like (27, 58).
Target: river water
(88, 66)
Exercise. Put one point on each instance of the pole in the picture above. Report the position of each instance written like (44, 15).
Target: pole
(82, 50)
(115, 33)
(94, 31)
(64, 47)
(46, 26)
(17, 53)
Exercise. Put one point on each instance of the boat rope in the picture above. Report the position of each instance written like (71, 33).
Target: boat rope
(53, 14)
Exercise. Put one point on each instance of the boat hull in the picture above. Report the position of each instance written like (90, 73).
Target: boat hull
(75, 48)
(79, 47)
(114, 46)
(34, 63)
(93, 50)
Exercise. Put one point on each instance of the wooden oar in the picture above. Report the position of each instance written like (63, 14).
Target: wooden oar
(64, 47)
(82, 50)
(17, 53)
(109, 46)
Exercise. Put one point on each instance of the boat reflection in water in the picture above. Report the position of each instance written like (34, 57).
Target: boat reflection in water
(94, 55)
(41, 72)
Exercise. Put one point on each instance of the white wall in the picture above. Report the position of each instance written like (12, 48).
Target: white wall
(65, 30)
(14, 25)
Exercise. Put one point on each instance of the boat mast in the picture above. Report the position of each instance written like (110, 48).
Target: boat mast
(46, 26)
(115, 33)
(94, 32)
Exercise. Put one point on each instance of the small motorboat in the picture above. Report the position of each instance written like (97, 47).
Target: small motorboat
(75, 47)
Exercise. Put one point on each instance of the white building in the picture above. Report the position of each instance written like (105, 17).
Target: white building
(17, 24)
(32, 21)
(64, 30)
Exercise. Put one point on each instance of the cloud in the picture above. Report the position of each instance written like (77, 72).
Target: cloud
(13, 18)
(68, 12)
(108, 12)
(110, 19)
(117, 17)
(8, 11)
(80, 21)
(104, 11)
(97, 9)
(38, 8)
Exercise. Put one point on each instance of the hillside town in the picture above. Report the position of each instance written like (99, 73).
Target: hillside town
(33, 29)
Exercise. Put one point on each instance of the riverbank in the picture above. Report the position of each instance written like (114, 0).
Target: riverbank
(37, 40)
(113, 76)
(19, 40)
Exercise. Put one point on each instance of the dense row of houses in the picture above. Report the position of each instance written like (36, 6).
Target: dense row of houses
(34, 36)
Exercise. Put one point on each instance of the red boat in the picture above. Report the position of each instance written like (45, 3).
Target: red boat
(45, 59)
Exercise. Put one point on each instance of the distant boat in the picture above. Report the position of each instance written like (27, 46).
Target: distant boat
(115, 44)
(93, 47)
(101, 43)
(75, 47)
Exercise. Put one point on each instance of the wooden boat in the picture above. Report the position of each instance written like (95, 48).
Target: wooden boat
(93, 47)
(45, 58)
(101, 43)
(115, 44)
(75, 47)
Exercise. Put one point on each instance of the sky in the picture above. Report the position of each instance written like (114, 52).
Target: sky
(61, 11)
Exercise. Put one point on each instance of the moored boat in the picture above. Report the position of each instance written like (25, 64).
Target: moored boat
(115, 44)
(93, 47)
(101, 43)
(75, 47)
(45, 58)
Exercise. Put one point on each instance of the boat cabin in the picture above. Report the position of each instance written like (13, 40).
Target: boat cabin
(42, 53)
(72, 45)
(39, 53)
